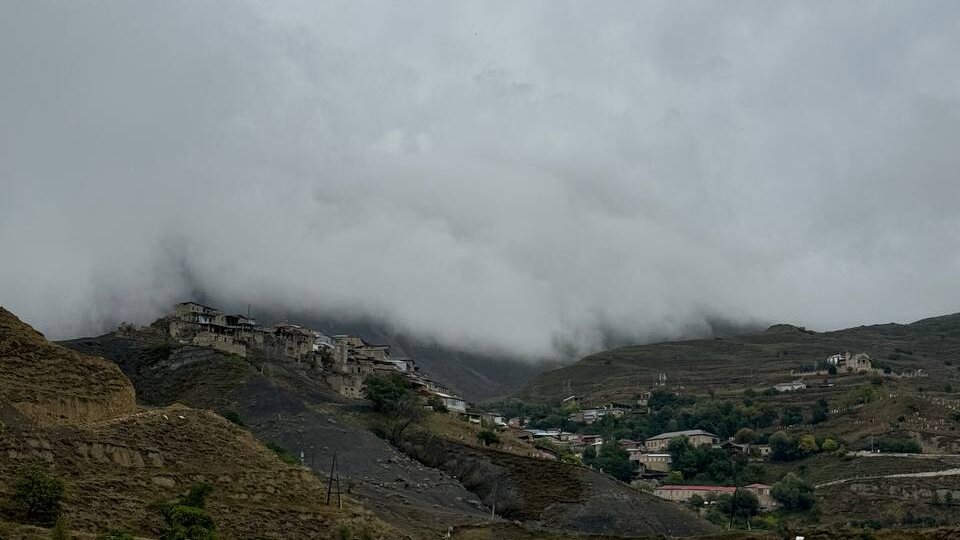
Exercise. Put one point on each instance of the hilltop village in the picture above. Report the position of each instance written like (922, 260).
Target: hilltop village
(346, 361)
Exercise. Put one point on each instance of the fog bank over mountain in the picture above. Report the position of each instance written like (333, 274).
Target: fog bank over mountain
(516, 178)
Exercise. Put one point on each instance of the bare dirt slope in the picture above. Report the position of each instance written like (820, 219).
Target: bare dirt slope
(49, 384)
(115, 459)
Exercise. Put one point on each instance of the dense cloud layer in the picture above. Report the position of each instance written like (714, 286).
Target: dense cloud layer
(517, 176)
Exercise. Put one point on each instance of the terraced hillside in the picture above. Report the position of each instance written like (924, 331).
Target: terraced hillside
(116, 460)
(753, 360)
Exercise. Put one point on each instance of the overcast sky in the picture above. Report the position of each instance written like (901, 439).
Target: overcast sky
(509, 175)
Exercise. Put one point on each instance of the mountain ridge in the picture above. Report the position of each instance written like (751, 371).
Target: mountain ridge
(754, 359)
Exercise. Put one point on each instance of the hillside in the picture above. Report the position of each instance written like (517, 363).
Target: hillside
(116, 460)
(50, 384)
(292, 406)
(282, 404)
(753, 360)
(556, 496)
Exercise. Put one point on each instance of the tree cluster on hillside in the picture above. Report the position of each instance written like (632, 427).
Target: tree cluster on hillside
(786, 447)
(186, 518)
(668, 411)
(902, 445)
(393, 396)
(611, 459)
(793, 493)
(711, 465)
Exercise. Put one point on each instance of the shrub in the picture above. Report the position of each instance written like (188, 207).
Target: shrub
(61, 530)
(38, 495)
(829, 445)
(186, 518)
(282, 453)
(904, 446)
(808, 444)
(234, 417)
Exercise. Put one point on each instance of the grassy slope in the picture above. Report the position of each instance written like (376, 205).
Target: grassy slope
(753, 360)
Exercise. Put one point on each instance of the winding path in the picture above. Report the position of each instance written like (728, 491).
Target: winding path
(928, 474)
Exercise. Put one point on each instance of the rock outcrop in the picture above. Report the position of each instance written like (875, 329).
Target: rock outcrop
(49, 384)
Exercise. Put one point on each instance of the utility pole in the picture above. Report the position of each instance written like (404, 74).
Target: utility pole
(493, 505)
(339, 500)
(333, 465)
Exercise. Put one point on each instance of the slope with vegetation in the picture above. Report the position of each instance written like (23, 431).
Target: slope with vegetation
(757, 360)
(106, 465)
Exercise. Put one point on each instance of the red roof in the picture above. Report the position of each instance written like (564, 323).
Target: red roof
(724, 489)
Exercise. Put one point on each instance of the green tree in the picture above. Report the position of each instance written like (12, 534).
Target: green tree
(745, 436)
(792, 415)
(186, 517)
(487, 437)
(37, 495)
(392, 395)
(385, 391)
(782, 447)
(829, 445)
(741, 504)
(614, 461)
(808, 444)
(793, 493)
(821, 411)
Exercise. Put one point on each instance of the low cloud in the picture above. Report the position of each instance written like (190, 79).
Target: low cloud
(521, 178)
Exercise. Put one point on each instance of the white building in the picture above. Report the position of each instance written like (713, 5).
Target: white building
(453, 403)
(790, 386)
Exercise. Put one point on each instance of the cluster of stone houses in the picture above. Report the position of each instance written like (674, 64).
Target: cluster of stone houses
(576, 443)
(346, 361)
(589, 416)
(354, 360)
